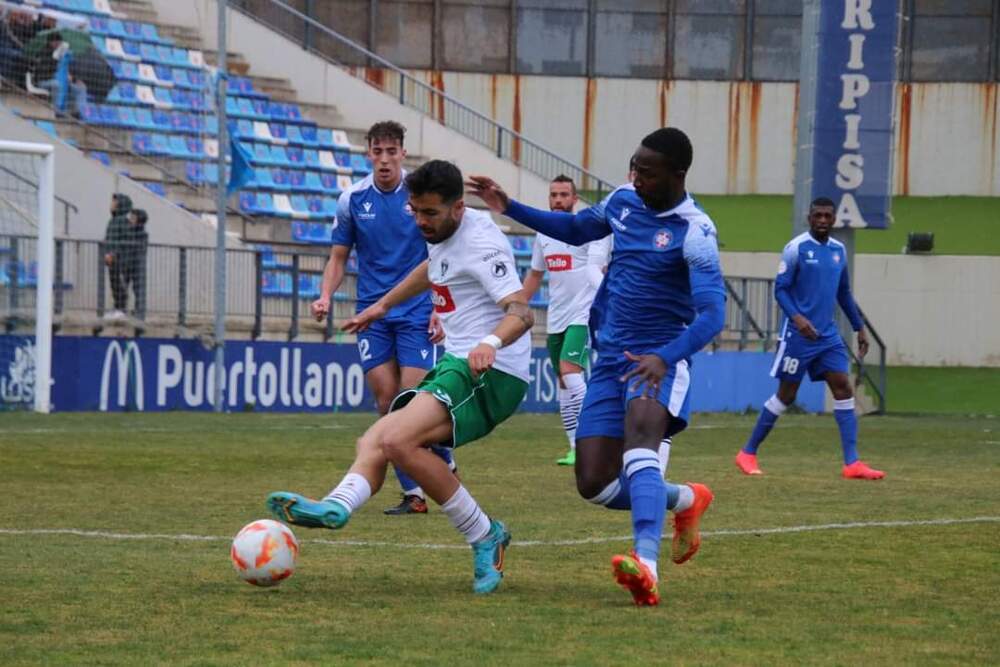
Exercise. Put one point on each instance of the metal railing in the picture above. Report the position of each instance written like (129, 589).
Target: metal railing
(879, 384)
(450, 112)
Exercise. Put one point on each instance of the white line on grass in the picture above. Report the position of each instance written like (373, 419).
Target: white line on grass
(723, 532)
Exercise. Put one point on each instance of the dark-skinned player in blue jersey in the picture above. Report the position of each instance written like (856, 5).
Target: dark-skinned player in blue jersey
(665, 299)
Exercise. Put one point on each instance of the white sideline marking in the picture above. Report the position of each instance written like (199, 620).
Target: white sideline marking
(723, 532)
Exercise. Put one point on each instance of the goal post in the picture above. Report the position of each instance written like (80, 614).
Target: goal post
(24, 175)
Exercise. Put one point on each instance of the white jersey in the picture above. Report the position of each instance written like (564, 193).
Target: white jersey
(469, 273)
(570, 293)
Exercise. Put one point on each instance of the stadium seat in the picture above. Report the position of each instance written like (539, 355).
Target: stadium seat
(142, 143)
(278, 133)
(311, 158)
(324, 136)
(160, 144)
(98, 25)
(280, 156)
(327, 161)
(360, 164)
(151, 34)
(294, 154)
(182, 79)
(123, 93)
(117, 28)
(183, 122)
(340, 140)
(196, 59)
(132, 50)
(262, 132)
(343, 161)
(321, 232)
(344, 182)
(312, 183)
(114, 47)
(196, 147)
(90, 113)
(276, 179)
(300, 207)
(99, 43)
(101, 157)
(195, 173)
(300, 232)
(161, 119)
(143, 118)
(308, 133)
(181, 99)
(259, 203)
(164, 74)
(155, 187)
(521, 246)
(283, 206)
(330, 207)
(296, 180)
(262, 155)
(133, 31)
(329, 182)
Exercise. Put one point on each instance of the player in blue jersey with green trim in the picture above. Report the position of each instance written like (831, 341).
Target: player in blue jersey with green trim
(665, 301)
(812, 280)
(373, 217)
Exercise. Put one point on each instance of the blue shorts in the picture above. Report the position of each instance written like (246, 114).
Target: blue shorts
(797, 354)
(607, 398)
(403, 339)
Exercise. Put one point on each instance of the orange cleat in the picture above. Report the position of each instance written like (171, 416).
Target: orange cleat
(632, 575)
(747, 463)
(687, 539)
(860, 470)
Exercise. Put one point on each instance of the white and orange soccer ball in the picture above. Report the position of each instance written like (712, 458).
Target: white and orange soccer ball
(264, 553)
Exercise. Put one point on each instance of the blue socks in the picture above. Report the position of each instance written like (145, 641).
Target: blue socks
(773, 408)
(649, 500)
(410, 485)
(847, 421)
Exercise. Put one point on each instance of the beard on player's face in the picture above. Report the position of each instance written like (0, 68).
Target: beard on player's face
(821, 221)
(436, 220)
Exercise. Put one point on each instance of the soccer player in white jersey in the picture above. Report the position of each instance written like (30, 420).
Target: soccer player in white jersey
(478, 383)
(571, 294)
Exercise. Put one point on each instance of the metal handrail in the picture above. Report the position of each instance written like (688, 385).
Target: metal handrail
(495, 135)
(878, 386)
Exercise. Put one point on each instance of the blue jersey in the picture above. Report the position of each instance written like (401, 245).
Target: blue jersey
(662, 262)
(389, 245)
(812, 279)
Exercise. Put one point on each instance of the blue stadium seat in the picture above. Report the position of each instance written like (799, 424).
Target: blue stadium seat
(182, 79)
(126, 118)
(262, 154)
(313, 183)
(160, 144)
(311, 158)
(309, 134)
(343, 159)
(360, 164)
(195, 172)
(156, 187)
(110, 115)
(99, 43)
(324, 136)
(162, 96)
(278, 131)
(330, 207)
(98, 25)
(259, 203)
(123, 93)
(178, 56)
(133, 49)
(151, 34)
(320, 233)
(182, 99)
(133, 31)
(164, 73)
(297, 180)
(117, 29)
(90, 113)
(295, 155)
(300, 206)
(183, 122)
(101, 157)
(329, 182)
(144, 119)
(211, 172)
(161, 119)
(280, 156)
(279, 180)
(292, 133)
(197, 78)
(521, 246)
(196, 147)
(142, 143)
(178, 148)
(300, 231)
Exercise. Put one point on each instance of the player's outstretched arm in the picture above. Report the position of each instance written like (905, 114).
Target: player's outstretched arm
(575, 229)
(532, 282)
(412, 285)
(518, 320)
(333, 275)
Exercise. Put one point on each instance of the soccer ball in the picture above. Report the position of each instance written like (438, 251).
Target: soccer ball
(264, 552)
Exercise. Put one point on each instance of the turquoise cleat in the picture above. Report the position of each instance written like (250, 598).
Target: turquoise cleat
(306, 512)
(488, 556)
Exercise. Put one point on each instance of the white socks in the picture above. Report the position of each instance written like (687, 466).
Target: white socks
(570, 401)
(467, 516)
(663, 453)
(651, 564)
(685, 499)
(352, 492)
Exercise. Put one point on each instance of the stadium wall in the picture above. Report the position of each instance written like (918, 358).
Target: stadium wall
(358, 104)
(150, 374)
(88, 185)
(931, 311)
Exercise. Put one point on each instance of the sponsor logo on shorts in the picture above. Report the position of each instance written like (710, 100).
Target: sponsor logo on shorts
(441, 298)
(559, 262)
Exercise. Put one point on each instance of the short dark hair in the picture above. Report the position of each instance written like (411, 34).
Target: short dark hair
(140, 215)
(386, 129)
(436, 176)
(822, 201)
(563, 178)
(673, 144)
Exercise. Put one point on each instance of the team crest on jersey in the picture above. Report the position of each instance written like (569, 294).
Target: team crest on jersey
(499, 270)
(836, 257)
(441, 298)
(662, 239)
(407, 209)
(559, 262)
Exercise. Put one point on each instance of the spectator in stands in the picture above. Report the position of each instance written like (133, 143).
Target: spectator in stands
(62, 81)
(12, 62)
(134, 260)
(115, 254)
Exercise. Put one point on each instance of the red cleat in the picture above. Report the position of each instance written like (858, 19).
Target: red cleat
(860, 470)
(747, 463)
(687, 539)
(632, 575)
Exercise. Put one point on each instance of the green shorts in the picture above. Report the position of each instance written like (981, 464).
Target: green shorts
(572, 345)
(477, 405)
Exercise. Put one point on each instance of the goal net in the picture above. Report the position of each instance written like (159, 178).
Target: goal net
(27, 251)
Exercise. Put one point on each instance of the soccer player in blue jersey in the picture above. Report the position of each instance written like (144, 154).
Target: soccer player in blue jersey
(374, 217)
(665, 301)
(812, 280)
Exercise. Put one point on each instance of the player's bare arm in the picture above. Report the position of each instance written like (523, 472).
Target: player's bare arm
(414, 284)
(518, 319)
(333, 275)
(532, 282)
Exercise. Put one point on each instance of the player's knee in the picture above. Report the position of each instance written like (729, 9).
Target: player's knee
(394, 445)
(383, 403)
(590, 485)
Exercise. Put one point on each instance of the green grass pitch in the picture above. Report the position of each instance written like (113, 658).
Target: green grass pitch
(378, 593)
